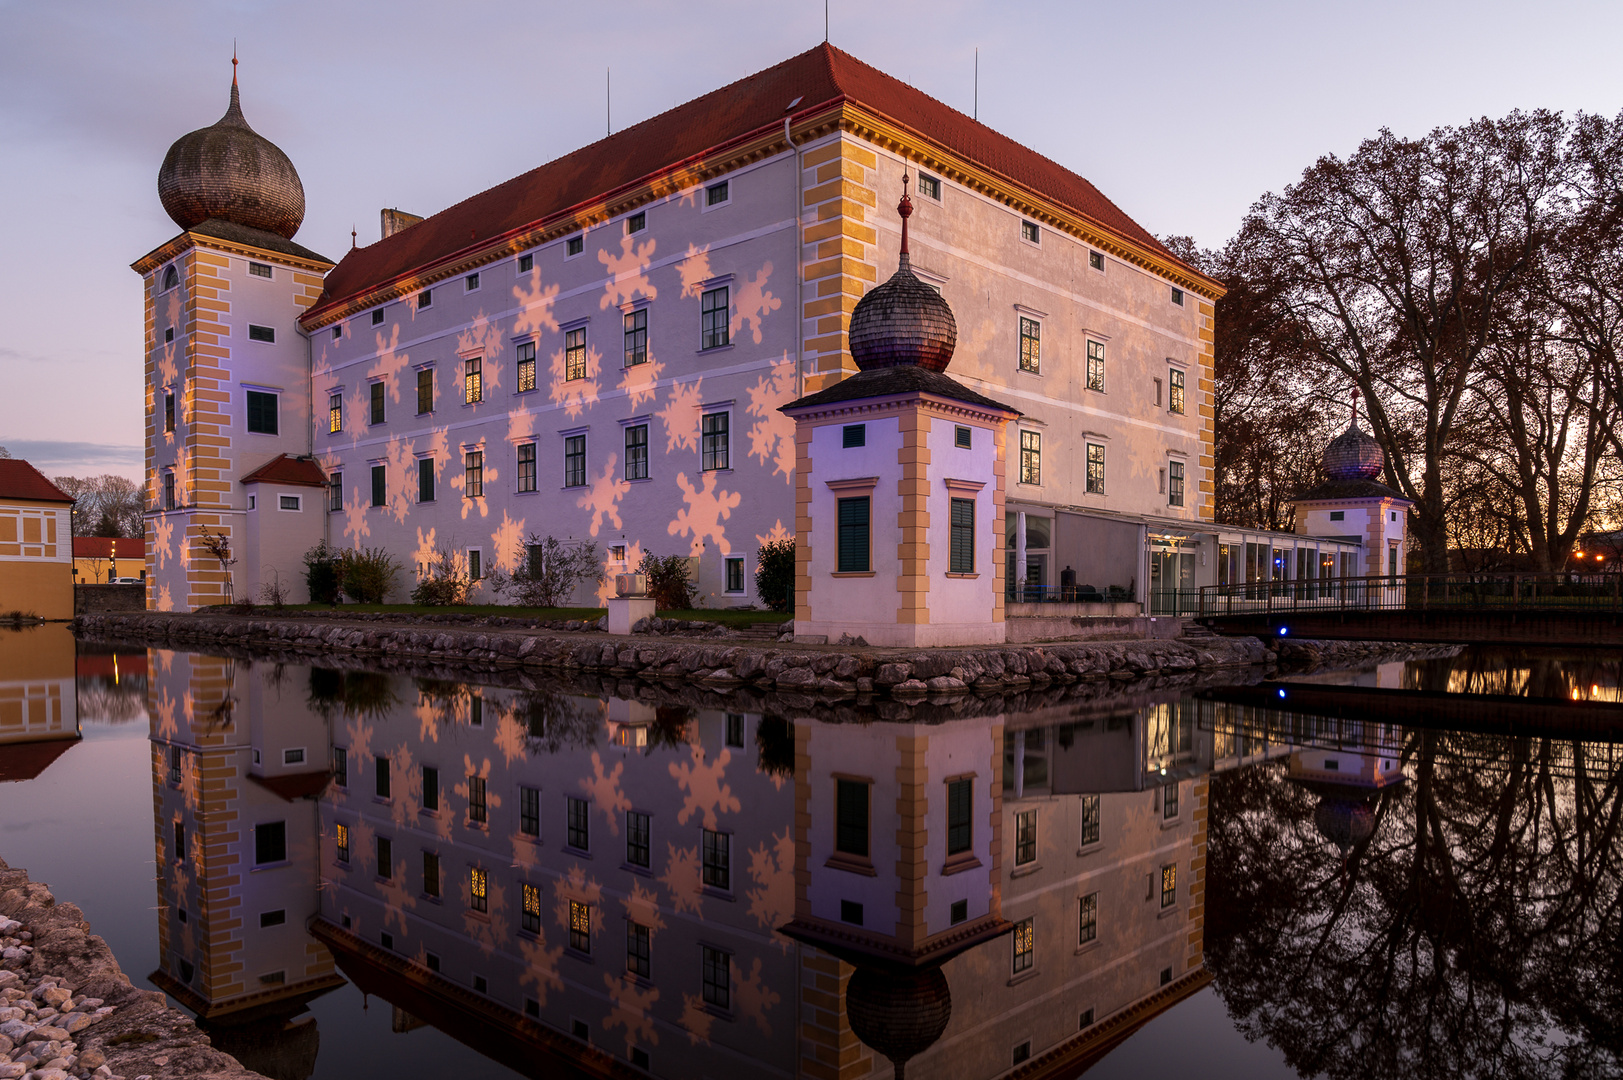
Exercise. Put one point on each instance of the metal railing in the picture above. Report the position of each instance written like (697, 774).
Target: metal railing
(1417, 592)
(1067, 594)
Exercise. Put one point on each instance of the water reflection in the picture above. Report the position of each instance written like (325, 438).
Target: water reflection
(572, 876)
(39, 702)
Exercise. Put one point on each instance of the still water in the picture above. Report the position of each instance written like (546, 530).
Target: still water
(350, 873)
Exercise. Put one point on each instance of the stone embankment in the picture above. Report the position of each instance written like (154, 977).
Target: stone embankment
(836, 671)
(67, 1010)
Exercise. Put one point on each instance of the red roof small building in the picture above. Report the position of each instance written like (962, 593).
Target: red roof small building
(20, 480)
(101, 547)
(287, 469)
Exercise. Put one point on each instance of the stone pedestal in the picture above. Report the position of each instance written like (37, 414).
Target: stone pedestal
(624, 611)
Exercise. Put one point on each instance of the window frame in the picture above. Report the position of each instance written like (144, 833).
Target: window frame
(1092, 812)
(714, 335)
(1031, 345)
(846, 828)
(168, 411)
(425, 390)
(478, 803)
(1096, 261)
(427, 482)
(575, 246)
(1175, 483)
(637, 222)
(529, 811)
(265, 335)
(1023, 946)
(639, 950)
(961, 536)
(580, 926)
(473, 380)
(1030, 232)
(639, 827)
(425, 299)
(728, 564)
(479, 890)
(335, 492)
(380, 485)
(847, 532)
(525, 467)
(711, 201)
(930, 186)
(578, 824)
(335, 412)
(636, 336)
(525, 368)
(1176, 402)
(1087, 919)
(266, 843)
(1095, 366)
(1169, 885)
(473, 474)
(529, 908)
(1031, 457)
(1095, 478)
(716, 873)
(433, 884)
(471, 282)
(636, 452)
(525, 263)
(250, 395)
(297, 502)
(377, 403)
(341, 842)
(1025, 837)
(575, 460)
(575, 363)
(715, 447)
(714, 962)
(960, 819)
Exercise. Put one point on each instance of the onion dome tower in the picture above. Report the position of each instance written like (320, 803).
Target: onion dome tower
(1353, 455)
(230, 172)
(903, 322)
(1350, 503)
(1344, 821)
(898, 1013)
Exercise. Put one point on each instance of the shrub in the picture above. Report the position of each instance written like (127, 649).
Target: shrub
(549, 572)
(668, 583)
(369, 575)
(324, 573)
(273, 592)
(445, 581)
(775, 575)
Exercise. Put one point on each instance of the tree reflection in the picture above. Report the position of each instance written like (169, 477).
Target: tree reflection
(1472, 931)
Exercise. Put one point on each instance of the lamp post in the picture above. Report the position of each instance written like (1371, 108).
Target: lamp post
(112, 561)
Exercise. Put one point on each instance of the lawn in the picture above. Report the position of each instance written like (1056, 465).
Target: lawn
(727, 618)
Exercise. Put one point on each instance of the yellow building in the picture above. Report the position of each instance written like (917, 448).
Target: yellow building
(36, 574)
(100, 560)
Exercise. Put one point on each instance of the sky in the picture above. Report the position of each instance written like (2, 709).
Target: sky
(1183, 114)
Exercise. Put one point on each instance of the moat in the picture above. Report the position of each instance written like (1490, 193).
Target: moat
(346, 872)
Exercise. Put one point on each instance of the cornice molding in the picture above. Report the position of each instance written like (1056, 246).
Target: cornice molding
(165, 252)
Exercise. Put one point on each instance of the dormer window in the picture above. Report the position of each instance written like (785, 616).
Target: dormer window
(171, 278)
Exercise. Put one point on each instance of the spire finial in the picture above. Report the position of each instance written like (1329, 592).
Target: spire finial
(904, 208)
(352, 238)
(1355, 407)
(233, 63)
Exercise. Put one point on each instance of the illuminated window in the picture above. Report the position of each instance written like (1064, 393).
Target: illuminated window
(335, 413)
(473, 386)
(580, 926)
(259, 270)
(1090, 819)
(961, 542)
(716, 194)
(477, 898)
(851, 817)
(1031, 457)
(717, 860)
(713, 318)
(714, 450)
(526, 466)
(1096, 469)
(1096, 366)
(377, 390)
(960, 828)
(637, 337)
(431, 874)
(637, 847)
(1025, 944)
(1175, 483)
(639, 950)
(1169, 885)
(477, 810)
(529, 811)
(425, 391)
(380, 485)
(526, 366)
(637, 452)
(1030, 233)
(853, 536)
(530, 909)
(1175, 400)
(575, 353)
(473, 474)
(718, 977)
(1031, 345)
(262, 412)
(575, 461)
(342, 835)
(580, 836)
(1025, 837)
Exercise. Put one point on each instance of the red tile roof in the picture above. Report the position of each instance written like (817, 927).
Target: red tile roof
(101, 547)
(20, 480)
(820, 79)
(287, 469)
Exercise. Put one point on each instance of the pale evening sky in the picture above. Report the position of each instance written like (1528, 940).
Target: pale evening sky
(1181, 113)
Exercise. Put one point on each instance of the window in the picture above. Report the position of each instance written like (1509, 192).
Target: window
(1096, 259)
(853, 535)
(961, 556)
(1087, 919)
(639, 950)
(171, 278)
(1096, 469)
(477, 810)
(1177, 297)
(575, 461)
(473, 474)
(575, 353)
(963, 437)
(431, 787)
(176, 756)
(470, 283)
(735, 574)
(851, 817)
(291, 502)
(1024, 944)
(526, 263)
(382, 774)
(1031, 457)
(735, 730)
(1169, 802)
(259, 270)
(431, 873)
(958, 912)
(425, 391)
(853, 435)
(637, 452)
(637, 222)
(478, 885)
(637, 848)
(261, 413)
(526, 466)
(1157, 383)
(261, 333)
(960, 801)
(380, 485)
(1175, 396)
(575, 245)
(714, 449)
(1096, 366)
(270, 843)
(580, 926)
(637, 337)
(1174, 483)
(1169, 885)
(713, 318)
(178, 850)
(1338, 515)
(335, 491)
(473, 387)
(169, 411)
(529, 909)
(340, 766)
(425, 299)
(377, 317)
(377, 390)
(1025, 837)
(1090, 819)
(526, 366)
(168, 335)
(425, 480)
(718, 977)
(1031, 345)
(342, 836)
(929, 186)
(717, 860)
(529, 811)
(851, 912)
(716, 194)
(1085, 1020)
(580, 837)
(1030, 233)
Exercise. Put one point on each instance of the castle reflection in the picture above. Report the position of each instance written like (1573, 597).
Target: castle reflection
(578, 883)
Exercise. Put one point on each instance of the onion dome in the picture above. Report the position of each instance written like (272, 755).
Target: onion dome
(231, 172)
(903, 322)
(1353, 455)
(1344, 822)
(900, 1014)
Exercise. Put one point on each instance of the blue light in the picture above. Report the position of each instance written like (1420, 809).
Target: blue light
(1282, 693)
(1283, 630)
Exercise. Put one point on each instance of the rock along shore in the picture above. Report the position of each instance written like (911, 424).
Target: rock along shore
(67, 1010)
(820, 670)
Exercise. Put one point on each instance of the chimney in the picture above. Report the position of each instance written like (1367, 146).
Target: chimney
(395, 220)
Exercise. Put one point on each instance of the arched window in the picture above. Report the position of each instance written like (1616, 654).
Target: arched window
(171, 278)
